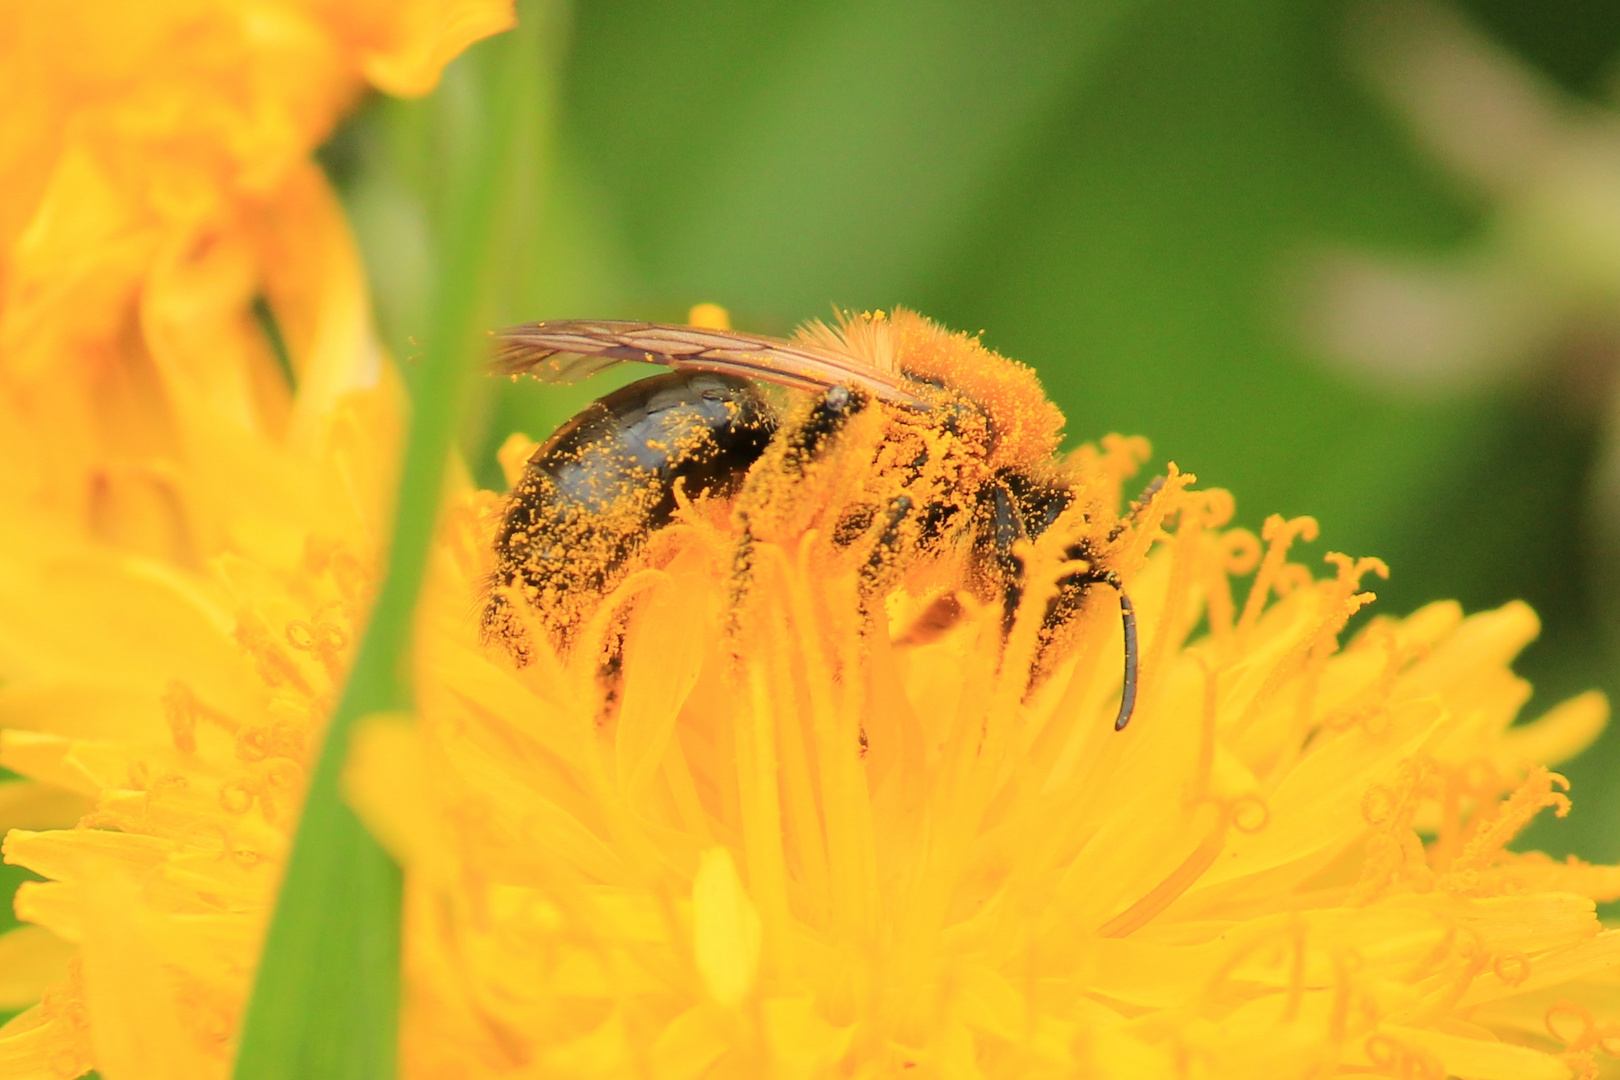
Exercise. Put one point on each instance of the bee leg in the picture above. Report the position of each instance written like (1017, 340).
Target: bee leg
(811, 438)
(888, 543)
(766, 501)
(935, 621)
(742, 574)
(1007, 530)
(1139, 504)
(772, 499)
(1151, 490)
(876, 565)
(500, 623)
(1127, 614)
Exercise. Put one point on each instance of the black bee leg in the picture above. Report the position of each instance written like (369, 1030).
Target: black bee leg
(1010, 514)
(817, 431)
(1140, 504)
(767, 505)
(1127, 614)
(742, 572)
(887, 543)
(1007, 529)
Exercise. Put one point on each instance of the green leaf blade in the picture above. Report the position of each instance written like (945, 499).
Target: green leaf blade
(325, 1001)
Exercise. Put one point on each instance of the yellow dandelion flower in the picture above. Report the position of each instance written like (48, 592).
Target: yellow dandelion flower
(809, 836)
(188, 534)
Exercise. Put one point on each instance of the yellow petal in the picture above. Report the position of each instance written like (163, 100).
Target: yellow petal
(429, 33)
(31, 1049)
(384, 780)
(134, 1022)
(1479, 1059)
(800, 1039)
(688, 1045)
(28, 804)
(1565, 730)
(31, 958)
(725, 929)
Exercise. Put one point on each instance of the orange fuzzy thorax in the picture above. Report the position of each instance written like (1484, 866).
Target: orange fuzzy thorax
(1027, 426)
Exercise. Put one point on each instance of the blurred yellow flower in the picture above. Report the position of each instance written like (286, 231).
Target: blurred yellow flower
(183, 709)
(155, 161)
(188, 531)
(809, 851)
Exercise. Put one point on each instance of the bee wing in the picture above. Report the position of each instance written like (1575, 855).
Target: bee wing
(573, 349)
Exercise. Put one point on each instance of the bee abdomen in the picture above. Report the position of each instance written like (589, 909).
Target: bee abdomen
(580, 514)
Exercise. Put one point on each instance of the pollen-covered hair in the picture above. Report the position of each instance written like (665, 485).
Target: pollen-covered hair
(1027, 426)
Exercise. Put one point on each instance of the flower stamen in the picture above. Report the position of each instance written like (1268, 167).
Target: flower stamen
(1280, 534)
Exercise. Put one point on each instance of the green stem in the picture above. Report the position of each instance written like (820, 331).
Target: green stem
(326, 1000)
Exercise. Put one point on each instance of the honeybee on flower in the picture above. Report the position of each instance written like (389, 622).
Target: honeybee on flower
(911, 447)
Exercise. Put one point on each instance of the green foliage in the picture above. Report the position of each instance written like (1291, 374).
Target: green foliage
(326, 998)
(10, 878)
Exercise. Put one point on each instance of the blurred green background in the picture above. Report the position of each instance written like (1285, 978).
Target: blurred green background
(1126, 194)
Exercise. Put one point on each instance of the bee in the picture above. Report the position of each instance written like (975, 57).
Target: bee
(906, 444)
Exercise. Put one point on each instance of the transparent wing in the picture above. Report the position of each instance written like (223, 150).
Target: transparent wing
(573, 349)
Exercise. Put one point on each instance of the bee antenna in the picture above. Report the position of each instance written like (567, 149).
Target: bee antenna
(1127, 614)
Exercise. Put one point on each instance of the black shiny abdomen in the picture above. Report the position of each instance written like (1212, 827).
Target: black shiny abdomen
(702, 427)
(591, 494)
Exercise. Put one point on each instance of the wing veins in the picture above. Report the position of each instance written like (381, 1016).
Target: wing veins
(571, 350)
